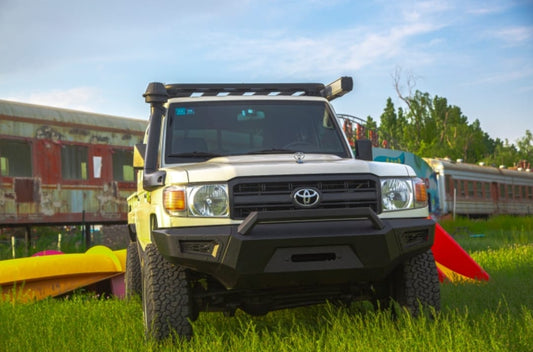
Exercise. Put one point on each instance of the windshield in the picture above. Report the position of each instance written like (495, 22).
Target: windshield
(202, 130)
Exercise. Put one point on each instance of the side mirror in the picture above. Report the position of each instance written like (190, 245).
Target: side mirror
(363, 149)
(138, 156)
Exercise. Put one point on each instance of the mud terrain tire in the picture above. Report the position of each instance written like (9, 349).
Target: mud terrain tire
(416, 284)
(133, 277)
(167, 303)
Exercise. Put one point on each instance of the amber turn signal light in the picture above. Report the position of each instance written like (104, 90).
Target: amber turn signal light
(174, 199)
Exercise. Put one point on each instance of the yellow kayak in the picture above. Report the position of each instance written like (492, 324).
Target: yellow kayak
(35, 278)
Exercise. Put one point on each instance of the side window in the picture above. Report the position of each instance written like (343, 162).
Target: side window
(503, 194)
(510, 192)
(123, 165)
(15, 158)
(456, 187)
(487, 190)
(450, 185)
(74, 162)
(479, 187)
(470, 185)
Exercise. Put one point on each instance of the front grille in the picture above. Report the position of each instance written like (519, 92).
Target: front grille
(250, 194)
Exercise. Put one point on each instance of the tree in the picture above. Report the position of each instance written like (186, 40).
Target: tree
(525, 147)
(431, 127)
(372, 130)
(505, 154)
(389, 126)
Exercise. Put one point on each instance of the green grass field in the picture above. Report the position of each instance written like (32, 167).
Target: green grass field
(493, 316)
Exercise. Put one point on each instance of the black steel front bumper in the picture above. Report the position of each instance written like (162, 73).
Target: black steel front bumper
(297, 248)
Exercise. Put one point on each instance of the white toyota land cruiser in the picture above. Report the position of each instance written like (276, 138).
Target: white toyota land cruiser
(250, 197)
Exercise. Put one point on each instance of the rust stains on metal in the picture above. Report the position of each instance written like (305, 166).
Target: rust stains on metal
(27, 190)
(79, 131)
(47, 132)
(61, 166)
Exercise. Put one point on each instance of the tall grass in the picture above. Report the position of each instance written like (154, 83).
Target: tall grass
(493, 316)
(43, 238)
(72, 240)
(492, 233)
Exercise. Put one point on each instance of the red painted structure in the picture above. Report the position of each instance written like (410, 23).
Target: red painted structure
(61, 167)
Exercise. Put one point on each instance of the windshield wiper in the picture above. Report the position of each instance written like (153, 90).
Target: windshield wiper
(194, 155)
(272, 151)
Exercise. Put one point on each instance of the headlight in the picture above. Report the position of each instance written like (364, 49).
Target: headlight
(396, 194)
(403, 193)
(209, 200)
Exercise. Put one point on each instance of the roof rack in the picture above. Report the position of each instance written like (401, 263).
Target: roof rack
(214, 89)
(331, 91)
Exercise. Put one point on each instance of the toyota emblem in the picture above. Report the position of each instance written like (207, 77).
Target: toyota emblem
(306, 197)
(299, 157)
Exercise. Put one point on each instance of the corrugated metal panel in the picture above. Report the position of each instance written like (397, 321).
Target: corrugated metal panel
(53, 114)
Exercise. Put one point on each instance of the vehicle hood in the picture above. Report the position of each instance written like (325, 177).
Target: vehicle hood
(222, 169)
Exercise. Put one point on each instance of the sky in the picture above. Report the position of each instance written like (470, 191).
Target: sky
(99, 56)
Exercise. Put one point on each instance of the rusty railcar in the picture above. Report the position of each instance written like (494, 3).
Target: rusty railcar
(61, 167)
(480, 191)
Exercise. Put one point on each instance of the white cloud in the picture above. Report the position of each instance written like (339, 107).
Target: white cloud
(79, 98)
(507, 75)
(350, 49)
(513, 36)
(479, 9)
(422, 10)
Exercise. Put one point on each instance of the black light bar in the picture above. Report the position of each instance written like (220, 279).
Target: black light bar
(338, 88)
(333, 90)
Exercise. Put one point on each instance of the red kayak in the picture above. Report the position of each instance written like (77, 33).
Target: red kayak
(450, 255)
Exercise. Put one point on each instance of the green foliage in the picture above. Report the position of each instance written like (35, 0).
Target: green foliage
(493, 316)
(508, 154)
(525, 146)
(430, 127)
(504, 154)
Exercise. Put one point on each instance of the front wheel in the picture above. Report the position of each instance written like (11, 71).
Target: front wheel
(167, 302)
(416, 284)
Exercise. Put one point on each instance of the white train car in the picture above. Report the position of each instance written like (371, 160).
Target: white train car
(479, 191)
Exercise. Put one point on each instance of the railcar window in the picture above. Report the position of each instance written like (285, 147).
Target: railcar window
(470, 189)
(449, 185)
(503, 195)
(516, 192)
(487, 190)
(510, 192)
(479, 189)
(531, 193)
(122, 165)
(15, 158)
(462, 186)
(74, 162)
(524, 192)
